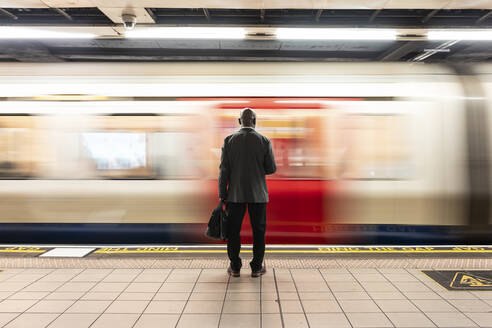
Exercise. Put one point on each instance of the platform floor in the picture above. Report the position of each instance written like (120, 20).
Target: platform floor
(297, 291)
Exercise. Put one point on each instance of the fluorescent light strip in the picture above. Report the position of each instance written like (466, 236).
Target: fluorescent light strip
(240, 33)
(335, 34)
(298, 101)
(21, 32)
(187, 33)
(473, 35)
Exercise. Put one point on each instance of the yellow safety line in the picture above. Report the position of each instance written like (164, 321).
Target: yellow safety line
(21, 251)
(289, 251)
(412, 251)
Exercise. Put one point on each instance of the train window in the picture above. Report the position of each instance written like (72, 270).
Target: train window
(116, 150)
(141, 146)
(374, 147)
(297, 138)
(297, 144)
(17, 153)
(175, 155)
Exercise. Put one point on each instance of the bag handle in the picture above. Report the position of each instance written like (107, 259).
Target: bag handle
(220, 205)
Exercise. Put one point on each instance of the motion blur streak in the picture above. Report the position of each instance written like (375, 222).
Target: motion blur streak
(366, 153)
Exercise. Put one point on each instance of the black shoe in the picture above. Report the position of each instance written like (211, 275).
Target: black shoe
(258, 273)
(233, 273)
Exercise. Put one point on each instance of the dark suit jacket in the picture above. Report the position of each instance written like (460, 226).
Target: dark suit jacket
(247, 157)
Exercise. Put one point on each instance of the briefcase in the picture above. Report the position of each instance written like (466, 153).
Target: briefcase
(217, 225)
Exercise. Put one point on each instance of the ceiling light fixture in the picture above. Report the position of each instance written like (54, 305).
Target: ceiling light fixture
(21, 32)
(187, 33)
(473, 35)
(335, 34)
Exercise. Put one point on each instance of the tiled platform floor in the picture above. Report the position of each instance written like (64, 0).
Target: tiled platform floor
(361, 293)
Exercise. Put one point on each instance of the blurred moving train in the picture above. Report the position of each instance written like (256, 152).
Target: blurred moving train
(129, 153)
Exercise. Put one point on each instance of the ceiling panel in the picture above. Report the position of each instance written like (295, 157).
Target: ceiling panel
(470, 4)
(105, 22)
(115, 14)
(254, 4)
(69, 3)
(301, 4)
(179, 4)
(22, 4)
(416, 4)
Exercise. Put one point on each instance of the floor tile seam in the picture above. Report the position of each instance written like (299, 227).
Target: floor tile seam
(261, 302)
(282, 322)
(74, 300)
(153, 263)
(240, 313)
(23, 312)
(189, 296)
(365, 290)
(446, 300)
(153, 296)
(362, 282)
(223, 302)
(466, 314)
(111, 301)
(19, 290)
(18, 314)
(476, 300)
(24, 269)
(426, 281)
(336, 299)
(471, 319)
(413, 303)
(299, 297)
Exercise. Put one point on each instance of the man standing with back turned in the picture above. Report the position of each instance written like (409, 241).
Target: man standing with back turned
(247, 157)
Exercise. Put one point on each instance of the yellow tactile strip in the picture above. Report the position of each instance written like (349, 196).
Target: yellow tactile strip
(271, 261)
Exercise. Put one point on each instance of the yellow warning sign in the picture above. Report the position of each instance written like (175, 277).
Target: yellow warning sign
(462, 279)
(466, 280)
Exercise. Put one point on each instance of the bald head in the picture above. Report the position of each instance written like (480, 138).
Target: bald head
(248, 118)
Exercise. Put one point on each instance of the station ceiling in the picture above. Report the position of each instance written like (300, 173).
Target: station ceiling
(103, 17)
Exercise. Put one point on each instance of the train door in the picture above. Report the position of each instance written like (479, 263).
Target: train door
(297, 190)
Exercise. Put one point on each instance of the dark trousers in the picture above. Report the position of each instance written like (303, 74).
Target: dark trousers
(257, 215)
